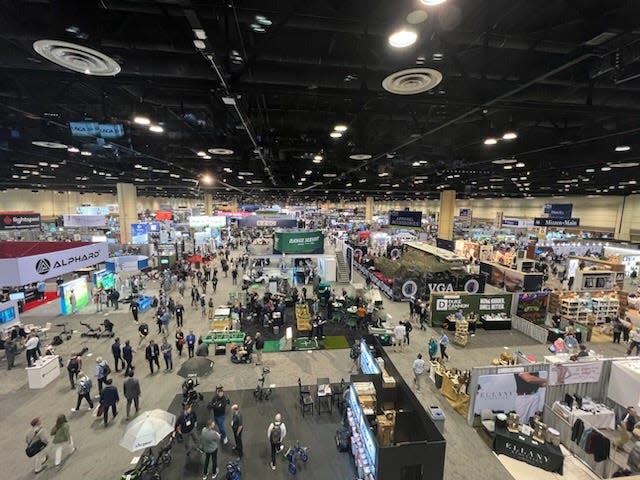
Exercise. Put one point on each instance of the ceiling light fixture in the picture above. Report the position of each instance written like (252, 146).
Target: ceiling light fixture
(383, 174)
(623, 148)
(340, 128)
(85, 153)
(73, 150)
(199, 44)
(624, 164)
(490, 141)
(520, 165)
(605, 169)
(221, 151)
(54, 145)
(335, 134)
(142, 120)
(360, 156)
(156, 129)
(308, 172)
(206, 179)
(200, 34)
(431, 3)
(403, 38)
(510, 135)
(590, 170)
(201, 154)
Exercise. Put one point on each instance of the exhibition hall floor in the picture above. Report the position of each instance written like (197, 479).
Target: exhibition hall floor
(99, 456)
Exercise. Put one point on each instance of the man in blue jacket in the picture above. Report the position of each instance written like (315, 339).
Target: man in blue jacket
(109, 398)
(191, 342)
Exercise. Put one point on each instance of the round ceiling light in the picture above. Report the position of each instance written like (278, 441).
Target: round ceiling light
(417, 16)
(504, 161)
(340, 128)
(77, 58)
(510, 135)
(623, 148)
(360, 156)
(490, 141)
(49, 144)
(431, 3)
(335, 134)
(403, 38)
(624, 165)
(221, 151)
(412, 81)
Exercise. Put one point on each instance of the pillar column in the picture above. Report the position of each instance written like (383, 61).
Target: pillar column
(208, 204)
(128, 209)
(368, 210)
(447, 212)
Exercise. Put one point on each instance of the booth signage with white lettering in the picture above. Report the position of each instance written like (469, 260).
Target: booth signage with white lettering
(556, 222)
(19, 221)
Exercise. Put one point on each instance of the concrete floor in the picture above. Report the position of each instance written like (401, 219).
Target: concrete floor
(100, 457)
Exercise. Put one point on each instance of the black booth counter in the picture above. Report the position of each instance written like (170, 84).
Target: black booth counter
(397, 437)
(524, 448)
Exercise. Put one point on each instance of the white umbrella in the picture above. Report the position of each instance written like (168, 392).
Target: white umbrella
(147, 430)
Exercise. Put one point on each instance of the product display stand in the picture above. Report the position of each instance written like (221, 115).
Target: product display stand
(461, 336)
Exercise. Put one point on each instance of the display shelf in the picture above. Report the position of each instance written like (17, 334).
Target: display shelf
(461, 336)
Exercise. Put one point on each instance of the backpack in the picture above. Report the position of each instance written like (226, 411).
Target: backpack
(343, 439)
(106, 370)
(355, 352)
(73, 365)
(276, 434)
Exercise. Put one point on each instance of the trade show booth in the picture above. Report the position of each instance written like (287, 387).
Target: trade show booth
(502, 276)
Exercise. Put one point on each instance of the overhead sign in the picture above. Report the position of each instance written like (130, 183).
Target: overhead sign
(558, 210)
(202, 221)
(443, 304)
(77, 221)
(517, 222)
(92, 210)
(19, 220)
(556, 222)
(405, 219)
(94, 129)
(465, 212)
(305, 241)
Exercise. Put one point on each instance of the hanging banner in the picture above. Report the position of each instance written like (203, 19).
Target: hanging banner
(556, 222)
(77, 221)
(305, 241)
(19, 221)
(405, 219)
(558, 210)
(572, 373)
(443, 304)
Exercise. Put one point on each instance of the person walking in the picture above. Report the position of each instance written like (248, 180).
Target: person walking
(102, 372)
(127, 356)
(179, 314)
(143, 331)
(73, 302)
(165, 321)
(11, 351)
(408, 327)
(209, 443)
(61, 438)
(418, 370)
(83, 388)
(259, 346)
(73, 367)
(203, 306)
(180, 341)
(444, 343)
(31, 349)
(275, 434)
(191, 343)
(37, 442)
(109, 398)
(185, 427)
(237, 427)
(354, 355)
(635, 342)
(152, 352)
(433, 348)
(617, 329)
(116, 351)
(165, 348)
(132, 392)
(234, 276)
(218, 406)
(133, 306)
(399, 334)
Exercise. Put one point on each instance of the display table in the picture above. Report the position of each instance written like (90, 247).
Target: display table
(523, 448)
(459, 401)
(556, 333)
(324, 395)
(495, 322)
(45, 371)
(602, 418)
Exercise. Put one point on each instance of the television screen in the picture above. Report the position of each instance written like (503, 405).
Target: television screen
(16, 296)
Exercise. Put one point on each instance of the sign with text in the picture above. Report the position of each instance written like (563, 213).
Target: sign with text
(78, 221)
(577, 372)
(556, 222)
(558, 210)
(19, 221)
(405, 219)
(305, 241)
(443, 304)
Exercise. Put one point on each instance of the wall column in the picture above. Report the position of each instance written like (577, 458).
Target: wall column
(447, 212)
(208, 204)
(368, 210)
(128, 209)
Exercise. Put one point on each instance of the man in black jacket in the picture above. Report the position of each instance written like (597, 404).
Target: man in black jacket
(116, 350)
(127, 356)
(179, 314)
(109, 398)
(219, 406)
(152, 353)
(131, 389)
(186, 426)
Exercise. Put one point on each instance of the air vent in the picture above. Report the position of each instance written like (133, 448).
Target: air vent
(412, 81)
(77, 58)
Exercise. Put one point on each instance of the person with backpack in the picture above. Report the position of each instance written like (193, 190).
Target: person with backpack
(133, 306)
(73, 367)
(275, 434)
(102, 372)
(37, 444)
(83, 388)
